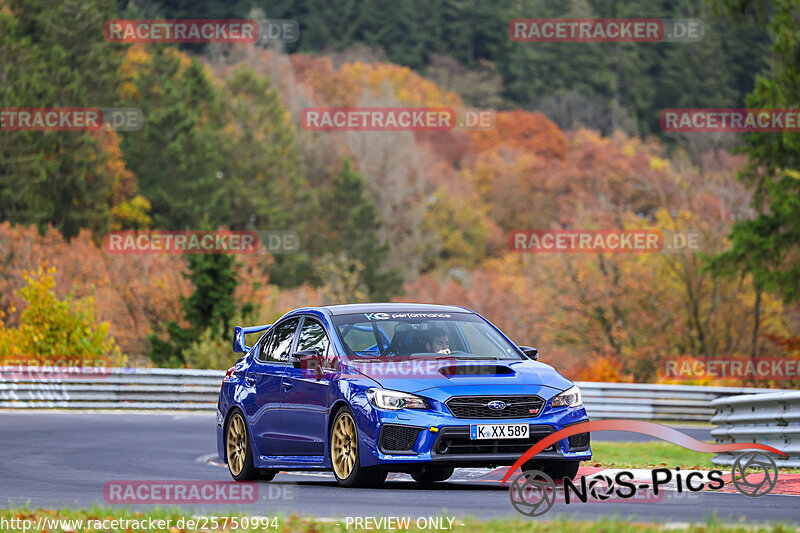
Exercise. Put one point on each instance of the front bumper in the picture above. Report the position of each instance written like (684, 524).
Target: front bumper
(441, 438)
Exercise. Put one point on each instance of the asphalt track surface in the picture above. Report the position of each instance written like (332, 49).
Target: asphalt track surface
(64, 459)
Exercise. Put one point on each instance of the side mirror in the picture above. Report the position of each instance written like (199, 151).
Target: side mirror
(531, 353)
(308, 360)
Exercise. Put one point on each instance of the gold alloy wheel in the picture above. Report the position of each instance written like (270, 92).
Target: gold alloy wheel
(237, 444)
(343, 445)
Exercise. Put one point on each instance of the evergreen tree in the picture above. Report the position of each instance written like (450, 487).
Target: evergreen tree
(176, 153)
(354, 225)
(768, 246)
(209, 308)
(260, 167)
(260, 163)
(54, 55)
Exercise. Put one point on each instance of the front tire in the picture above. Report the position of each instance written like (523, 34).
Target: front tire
(237, 448)
(345, 458)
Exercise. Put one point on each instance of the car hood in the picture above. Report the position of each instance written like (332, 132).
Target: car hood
(486, 377)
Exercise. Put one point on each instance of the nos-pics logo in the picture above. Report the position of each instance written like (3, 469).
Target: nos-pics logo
(533, 492)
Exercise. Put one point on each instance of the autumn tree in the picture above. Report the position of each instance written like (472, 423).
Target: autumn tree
(51, 329)
(133, 293)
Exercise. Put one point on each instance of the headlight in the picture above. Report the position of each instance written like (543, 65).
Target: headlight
(569, 398)
(394, 400)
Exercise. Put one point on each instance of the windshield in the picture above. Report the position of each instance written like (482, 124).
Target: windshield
(377, 336)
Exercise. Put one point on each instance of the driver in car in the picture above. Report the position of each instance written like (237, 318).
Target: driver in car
(437, 341)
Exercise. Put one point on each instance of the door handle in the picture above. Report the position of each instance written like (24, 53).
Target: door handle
(250, 380)
(287, 384)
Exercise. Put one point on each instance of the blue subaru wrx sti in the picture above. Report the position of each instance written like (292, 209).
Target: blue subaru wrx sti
(368, 389)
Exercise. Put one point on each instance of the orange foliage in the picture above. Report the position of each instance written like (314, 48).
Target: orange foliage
(596, 178)
(790, 345)
(344, 87)
(528, 132)
(132, 292)
(499, 296)
(252, 271)
(404, 84)
(606, 369)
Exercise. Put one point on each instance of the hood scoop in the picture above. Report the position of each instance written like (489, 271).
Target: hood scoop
(475, 370)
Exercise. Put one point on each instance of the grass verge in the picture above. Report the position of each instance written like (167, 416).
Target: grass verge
(654, 454)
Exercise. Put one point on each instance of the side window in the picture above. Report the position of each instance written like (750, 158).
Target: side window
(360, 337)
(263, 347)
(313, 336)
(277, 350)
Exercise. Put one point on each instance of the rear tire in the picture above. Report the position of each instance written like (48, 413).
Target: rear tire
(237, 448)
(432, 474)
(557, 470)
(345, 459)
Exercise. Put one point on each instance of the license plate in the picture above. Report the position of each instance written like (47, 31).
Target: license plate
(498, 431)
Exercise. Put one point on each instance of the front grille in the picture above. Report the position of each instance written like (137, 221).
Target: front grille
(398, 439)
(455, 441)
(477, 407)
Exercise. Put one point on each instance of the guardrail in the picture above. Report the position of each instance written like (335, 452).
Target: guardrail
(772, 418)
(114, 388)
(644, 401)
(182, 389)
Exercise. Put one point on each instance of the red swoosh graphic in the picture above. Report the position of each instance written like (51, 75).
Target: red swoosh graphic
(636, 426)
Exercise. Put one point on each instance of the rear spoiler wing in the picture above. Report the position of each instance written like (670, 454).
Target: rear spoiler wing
(238, 336)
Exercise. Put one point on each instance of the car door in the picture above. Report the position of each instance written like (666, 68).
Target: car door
(265, 376)
(304, 399)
